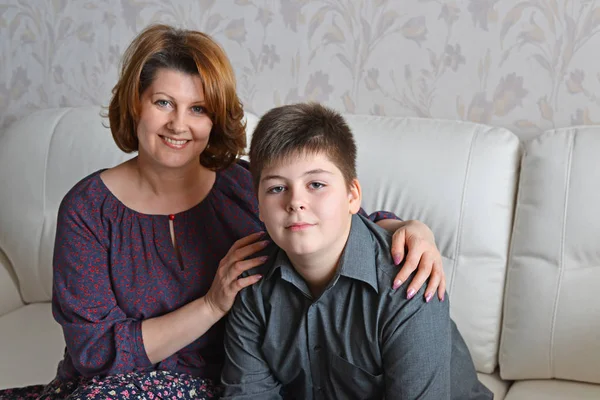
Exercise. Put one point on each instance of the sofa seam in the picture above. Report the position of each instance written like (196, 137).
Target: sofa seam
(462, 209)
(58, 121)
(509, 261)
(561, 264)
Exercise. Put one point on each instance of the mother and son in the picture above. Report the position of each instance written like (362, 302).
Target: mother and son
(167, 286)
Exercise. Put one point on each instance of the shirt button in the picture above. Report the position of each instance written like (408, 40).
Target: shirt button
(317, 348)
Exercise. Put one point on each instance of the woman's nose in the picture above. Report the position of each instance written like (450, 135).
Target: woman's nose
(177, 123)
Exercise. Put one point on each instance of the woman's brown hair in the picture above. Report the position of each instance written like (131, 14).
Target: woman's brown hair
(191, 52)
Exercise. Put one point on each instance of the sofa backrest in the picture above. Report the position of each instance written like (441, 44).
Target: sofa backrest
(41, 158)
(551, 326)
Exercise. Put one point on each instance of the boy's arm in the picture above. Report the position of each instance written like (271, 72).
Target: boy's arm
(246, 374)
(416, 350)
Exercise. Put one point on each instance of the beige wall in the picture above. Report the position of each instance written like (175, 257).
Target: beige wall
(525, 65)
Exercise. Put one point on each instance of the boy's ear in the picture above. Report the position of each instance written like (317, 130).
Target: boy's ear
(354, 196)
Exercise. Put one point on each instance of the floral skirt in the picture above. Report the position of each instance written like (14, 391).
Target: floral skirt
(144, 385)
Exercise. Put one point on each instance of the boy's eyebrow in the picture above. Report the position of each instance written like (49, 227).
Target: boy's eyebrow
(311, 172)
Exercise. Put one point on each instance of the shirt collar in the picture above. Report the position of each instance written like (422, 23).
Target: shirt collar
(358, 259)
(360, 255)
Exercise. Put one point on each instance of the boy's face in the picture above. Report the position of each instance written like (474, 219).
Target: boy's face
(306, 204)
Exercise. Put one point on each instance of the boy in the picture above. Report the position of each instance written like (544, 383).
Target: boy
(324, 321)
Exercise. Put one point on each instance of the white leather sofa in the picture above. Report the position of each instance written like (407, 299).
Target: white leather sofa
(518, 226)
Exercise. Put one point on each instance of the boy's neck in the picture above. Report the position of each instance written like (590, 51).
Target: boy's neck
(318, 269)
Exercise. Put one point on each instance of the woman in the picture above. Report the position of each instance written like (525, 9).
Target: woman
(148, 253)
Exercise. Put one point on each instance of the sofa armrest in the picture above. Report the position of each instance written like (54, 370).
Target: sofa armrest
(10, 299)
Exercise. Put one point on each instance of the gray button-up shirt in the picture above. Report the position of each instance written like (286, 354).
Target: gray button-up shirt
(360, 339)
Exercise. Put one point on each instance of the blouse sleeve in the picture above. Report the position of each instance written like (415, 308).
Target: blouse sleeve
(100, 338)
(378, 215)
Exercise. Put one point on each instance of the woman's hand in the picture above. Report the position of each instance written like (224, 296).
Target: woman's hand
(165, 335)
(227, 284)
(422, 253)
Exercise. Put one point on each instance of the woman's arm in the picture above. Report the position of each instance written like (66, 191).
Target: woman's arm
(421, 253)
(100, 337)
(418, 240)
(165, 335)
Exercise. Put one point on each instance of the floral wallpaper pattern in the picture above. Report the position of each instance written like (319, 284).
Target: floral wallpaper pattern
(527, 65)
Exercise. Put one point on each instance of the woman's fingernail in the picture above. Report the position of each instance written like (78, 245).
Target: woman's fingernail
(443, 297)
(397, 284)
(410, 294)
(263, 258)
(264, 243)
(397, 259)
(428, 297)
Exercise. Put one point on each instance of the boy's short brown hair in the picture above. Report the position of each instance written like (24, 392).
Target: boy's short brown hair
(302, 128)
(190, 52)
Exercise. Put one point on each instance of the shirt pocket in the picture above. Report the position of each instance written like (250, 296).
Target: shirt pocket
(353, 382)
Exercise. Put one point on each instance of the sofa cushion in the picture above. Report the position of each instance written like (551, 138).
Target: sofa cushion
(464, 189)
(10, 299)
(551, 325)
(32, 345)
(493, 382)
(552, 390)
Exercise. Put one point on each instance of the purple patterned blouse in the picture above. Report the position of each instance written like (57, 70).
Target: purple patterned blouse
(114, 267)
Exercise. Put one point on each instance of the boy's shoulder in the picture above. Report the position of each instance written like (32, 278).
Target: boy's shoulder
(381, 250)
(264, 269)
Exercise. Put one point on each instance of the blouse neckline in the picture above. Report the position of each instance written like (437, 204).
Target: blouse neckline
(167, 216)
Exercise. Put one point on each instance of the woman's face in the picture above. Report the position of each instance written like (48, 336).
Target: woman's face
(173, 128)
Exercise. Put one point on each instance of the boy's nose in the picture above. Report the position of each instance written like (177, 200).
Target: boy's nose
(295, 202)
(295, 207)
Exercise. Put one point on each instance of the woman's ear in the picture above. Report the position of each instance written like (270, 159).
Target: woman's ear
(354, 196)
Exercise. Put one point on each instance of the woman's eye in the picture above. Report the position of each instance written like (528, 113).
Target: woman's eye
(275, 189)
(162, 103)
(198, 109)
(316, 185)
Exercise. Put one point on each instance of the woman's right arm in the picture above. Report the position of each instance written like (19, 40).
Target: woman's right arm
(100, 338)
(167, 334)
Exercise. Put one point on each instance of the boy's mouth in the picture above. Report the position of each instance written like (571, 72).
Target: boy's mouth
(299, 226)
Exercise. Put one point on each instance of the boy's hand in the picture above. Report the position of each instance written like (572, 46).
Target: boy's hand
(422, 253)
(227, 283)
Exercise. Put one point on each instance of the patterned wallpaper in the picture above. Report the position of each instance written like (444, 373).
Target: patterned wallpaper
(525, 65)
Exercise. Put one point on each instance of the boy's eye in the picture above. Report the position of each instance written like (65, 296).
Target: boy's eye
(316, 185)
(275, 189)
(198, 109)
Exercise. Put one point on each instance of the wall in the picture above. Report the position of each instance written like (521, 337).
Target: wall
(525, 65)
